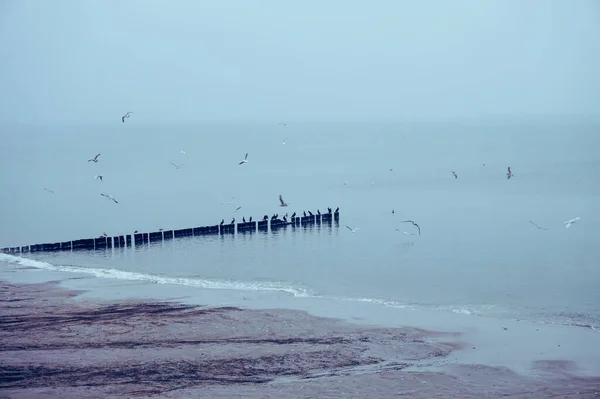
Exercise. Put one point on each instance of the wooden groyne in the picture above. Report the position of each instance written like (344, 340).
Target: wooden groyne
(121, 241)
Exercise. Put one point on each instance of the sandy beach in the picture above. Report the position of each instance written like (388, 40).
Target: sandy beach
(56, 346)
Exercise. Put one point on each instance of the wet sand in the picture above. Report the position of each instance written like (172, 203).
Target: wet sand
(53, 346)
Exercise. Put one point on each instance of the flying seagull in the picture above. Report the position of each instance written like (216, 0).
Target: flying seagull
(126, 116)
(98, 177)
(353, 230)
(568, 223)
(509, 173)
(539, 227)
(177, 166)
(50, 191)
(110, 197)
(454, 174)
(414, 224)
(282, 202)
(245, 160)
(95, 159)
(183, 152)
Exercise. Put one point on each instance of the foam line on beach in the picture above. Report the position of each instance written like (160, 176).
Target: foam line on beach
(297, 292)
(264, 286)
(191, 282)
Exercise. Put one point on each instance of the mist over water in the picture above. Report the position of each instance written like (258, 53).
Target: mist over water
(478, 252)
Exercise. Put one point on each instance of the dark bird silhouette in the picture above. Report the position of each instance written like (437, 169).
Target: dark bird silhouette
(125, 116)
(293, 215)
(414, 224)
(304, 213)
(265, 217)
(243, 219)
(337, 209)
(454, 174)
(539, 227)
(318, 212)
(110, 197)
(232, 221)
(285, 218)
(281, 201)
(249, 220)
(95, 159)
(177, 166)
(329, 210)
(310, 213)
(509, 173)
(245, 160)
(222, 222)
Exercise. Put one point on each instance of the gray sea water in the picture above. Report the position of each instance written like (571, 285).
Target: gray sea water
(477, 253)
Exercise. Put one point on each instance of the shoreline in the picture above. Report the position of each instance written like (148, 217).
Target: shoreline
(78, 345)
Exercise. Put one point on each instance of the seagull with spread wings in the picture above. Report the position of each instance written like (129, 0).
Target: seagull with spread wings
(177, 166)
(568, 223)
(245, 160)
(353, 230)
(536, 225)
(126, 116)
(110, 197)
(95, 159)
(414, 224)
(281, 201)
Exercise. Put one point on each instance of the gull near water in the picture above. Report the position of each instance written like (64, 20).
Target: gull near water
(126, 116)
(414, 224)
(110, 197)
(568, 223)
(281, 201)
(177, 166)
(353, 230)
(245, 160)
(95, 159)
(536, 225)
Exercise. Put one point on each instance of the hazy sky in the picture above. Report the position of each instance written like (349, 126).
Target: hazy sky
(193, 60)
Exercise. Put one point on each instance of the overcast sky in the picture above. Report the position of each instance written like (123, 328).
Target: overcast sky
(227, 60)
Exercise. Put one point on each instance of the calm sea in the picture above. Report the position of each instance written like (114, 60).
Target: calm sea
(477, 253)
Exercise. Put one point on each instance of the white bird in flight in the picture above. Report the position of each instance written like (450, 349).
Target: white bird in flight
(568, 223)
(283, 141)
(110, 197)
(353, 230)
(126, 116)
(98, 177)
(177, 166)
(95, 159)
(245, 160)
(183, 152)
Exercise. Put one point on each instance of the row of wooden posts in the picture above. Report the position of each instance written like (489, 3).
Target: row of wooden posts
(144, 238)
